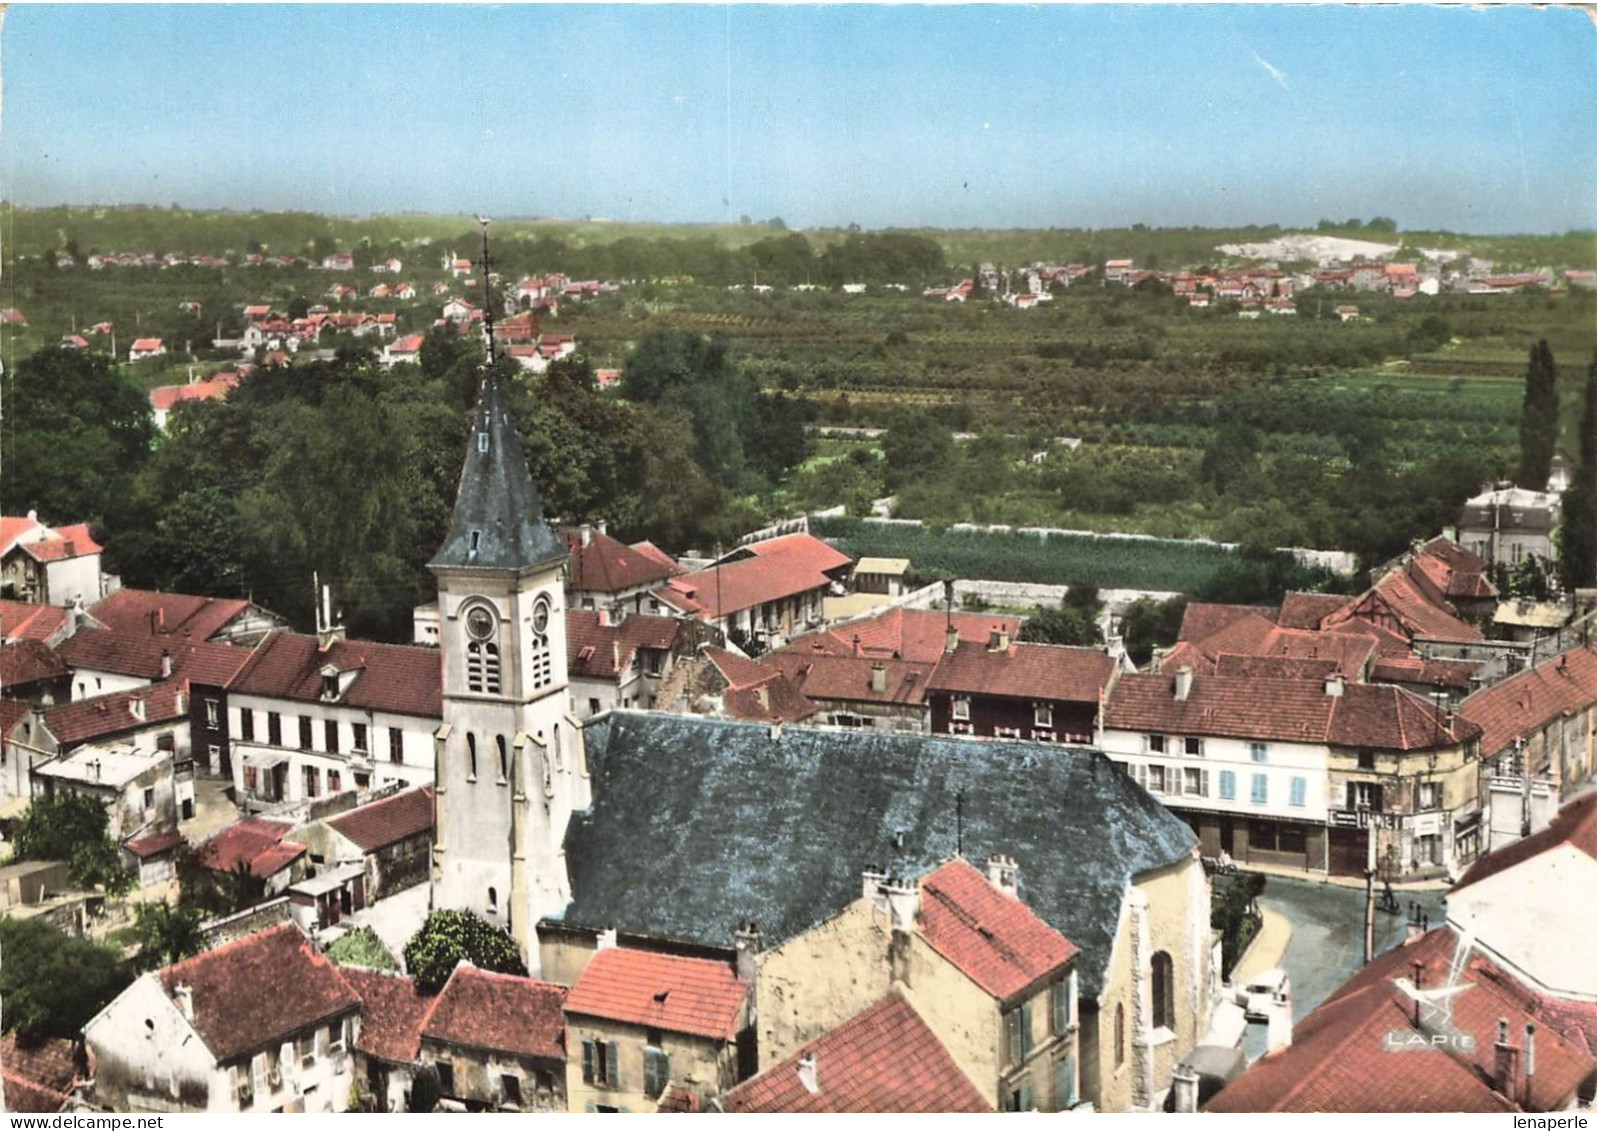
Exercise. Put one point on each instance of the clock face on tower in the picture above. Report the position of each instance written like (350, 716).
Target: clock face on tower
(540, 616)
(480, 624)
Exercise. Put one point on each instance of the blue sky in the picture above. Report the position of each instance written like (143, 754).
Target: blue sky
(944, 116)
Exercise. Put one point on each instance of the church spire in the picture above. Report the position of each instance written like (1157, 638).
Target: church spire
(498, 521)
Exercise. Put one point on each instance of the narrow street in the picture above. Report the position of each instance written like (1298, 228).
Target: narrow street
(1327, 943)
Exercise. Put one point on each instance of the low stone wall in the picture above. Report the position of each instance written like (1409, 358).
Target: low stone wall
(218, 932)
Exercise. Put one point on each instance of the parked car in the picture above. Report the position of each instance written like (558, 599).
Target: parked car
(1260, 992)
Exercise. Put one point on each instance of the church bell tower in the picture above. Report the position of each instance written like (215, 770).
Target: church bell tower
(508, 756)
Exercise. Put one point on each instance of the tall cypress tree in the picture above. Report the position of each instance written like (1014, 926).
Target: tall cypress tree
(1538, 425)
(1577, 551)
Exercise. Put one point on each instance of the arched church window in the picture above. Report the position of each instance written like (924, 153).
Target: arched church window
(482, 652)
(471, 756)
(542, 662)
(504, 758)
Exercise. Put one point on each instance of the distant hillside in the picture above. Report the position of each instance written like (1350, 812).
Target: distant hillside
(37, 231)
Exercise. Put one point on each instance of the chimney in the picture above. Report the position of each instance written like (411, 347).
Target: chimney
(1334, 685)
(763, 694)
(746, 941)
(185, 1000)
(999, 640)
(903, 904)
(1004, 874)
(604, 618)
(166, 664)
(585, 534)
(1183, 683)
(857, 650)
(879, 677)
(599, 525)
(615, 654)
(950, 640)
(1530, 1063)
(808, 1076)
(1509, 1078)
(871, 883)
(1184, 1088)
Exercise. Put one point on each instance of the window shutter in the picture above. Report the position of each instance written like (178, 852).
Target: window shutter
(612, 1064)
(1065, 1082)
(1025, 1096)
(1203, 782)
(1059, 995)
(1025, 1028)
(656, 1071)
(587, 1064)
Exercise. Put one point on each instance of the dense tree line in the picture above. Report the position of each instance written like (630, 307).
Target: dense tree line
(349, 471)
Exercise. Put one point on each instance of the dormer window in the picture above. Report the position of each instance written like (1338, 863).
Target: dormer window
(1043, 716)
(329, 685)
(482, 442)
(961, 709)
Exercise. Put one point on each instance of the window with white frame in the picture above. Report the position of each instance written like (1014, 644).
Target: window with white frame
(1043, 716)
(961, 709)
(1195, 781)
(1430, 795)
(1193, 746)
(1260, 794)
(1155, 744)
(1258, 751)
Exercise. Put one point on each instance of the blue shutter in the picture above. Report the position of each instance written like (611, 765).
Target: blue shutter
(612, 1064)
(1228, 785)
(1065, 1082)
(1261, 789)
(1025, 1028)
(1059, 998)
(1300, 791)
(587, 1061)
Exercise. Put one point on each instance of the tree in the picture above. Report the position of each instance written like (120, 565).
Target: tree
(1073, 621)
(1147, 624)
(75, 431)
(449, 937)
(1233, 454)
(52, 983)
(918, 449)
(73, 827)
(166, 933)
(1577, 551)
(425, 1089)
(1538, 426)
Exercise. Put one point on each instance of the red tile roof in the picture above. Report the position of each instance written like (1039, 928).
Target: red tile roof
(260, 990)
(28, 661)
(105, 716)
(147, 847)
(1398, 598)
(1307, 610)
(401, 678)
(765, 571)
(68, 542)
(392, 1013)
(388, 821)
(1455, 571)
(771, 700)
(23, 620)
(679, 1100)
(1453, 675)
(180, 614)
(993, 938)
(165, 397)
(602, 651)
(1202, 619)
(696, 996)
(1364, 715)
(848, 678)
(885, 1059)
(143, 656)
(1574, 825)
(1339, 1060)
(740, 671)
(605, 565)
(649, 549)
(920, 635)
(1523, 704)
(255, 842)
(499, 1013)
(39, 1075)
(1026, 671)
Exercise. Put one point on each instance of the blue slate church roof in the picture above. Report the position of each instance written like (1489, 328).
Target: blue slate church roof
(699, 824)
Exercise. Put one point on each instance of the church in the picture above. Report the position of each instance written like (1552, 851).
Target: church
(681, 833)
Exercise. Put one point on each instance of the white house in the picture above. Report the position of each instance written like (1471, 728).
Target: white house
(313, 716)
(261, 1024)
(48, 566)
(135, 784)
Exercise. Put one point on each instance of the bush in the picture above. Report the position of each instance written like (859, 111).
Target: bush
(447, 938)
(362, 947)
